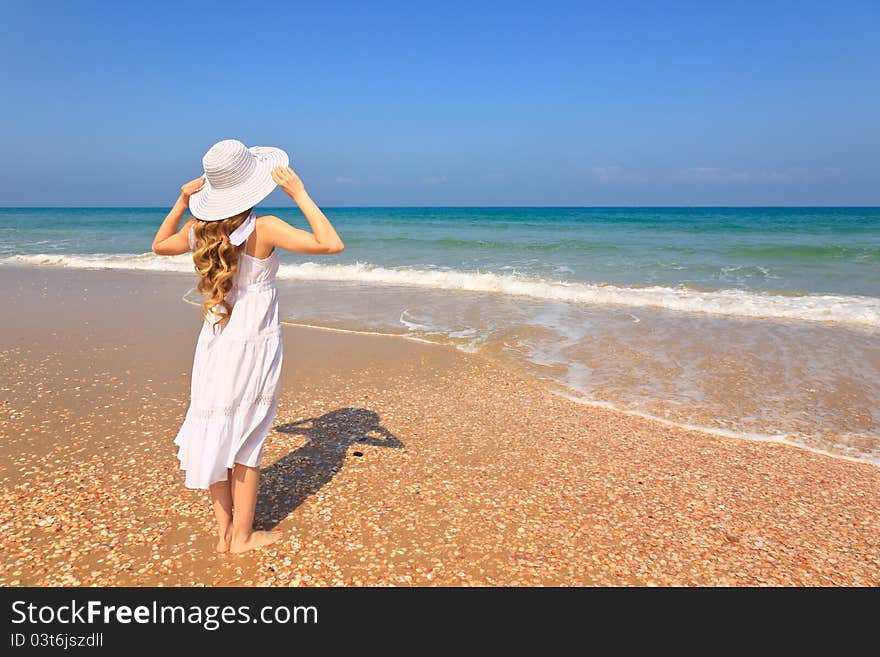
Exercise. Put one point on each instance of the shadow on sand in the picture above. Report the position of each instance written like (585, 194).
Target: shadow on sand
(285, 484)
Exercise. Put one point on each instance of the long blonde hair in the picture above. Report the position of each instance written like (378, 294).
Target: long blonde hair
(216, 261)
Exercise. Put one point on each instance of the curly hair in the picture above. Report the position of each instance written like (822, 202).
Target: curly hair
(216, 261)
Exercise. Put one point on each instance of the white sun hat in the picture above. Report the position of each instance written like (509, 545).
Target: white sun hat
(236, 178)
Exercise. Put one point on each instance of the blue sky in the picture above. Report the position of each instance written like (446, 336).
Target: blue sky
(472, 103)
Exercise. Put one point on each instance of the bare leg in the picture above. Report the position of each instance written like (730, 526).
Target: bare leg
(221, 500)
(245, 483)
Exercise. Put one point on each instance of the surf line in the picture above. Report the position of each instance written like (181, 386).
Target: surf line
(334, 329)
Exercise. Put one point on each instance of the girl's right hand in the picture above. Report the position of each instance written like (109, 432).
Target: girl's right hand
(287, 180)
(192, 187)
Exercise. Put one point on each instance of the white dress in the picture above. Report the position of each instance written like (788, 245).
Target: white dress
(235, 379)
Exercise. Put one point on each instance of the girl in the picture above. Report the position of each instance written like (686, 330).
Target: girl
(237, 363)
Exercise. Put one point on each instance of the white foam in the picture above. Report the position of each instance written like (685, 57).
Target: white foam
(858, 310)
(783, 439)
(144, 261)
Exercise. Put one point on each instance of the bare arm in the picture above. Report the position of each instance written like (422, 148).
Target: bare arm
(168, 240)
(322, 239)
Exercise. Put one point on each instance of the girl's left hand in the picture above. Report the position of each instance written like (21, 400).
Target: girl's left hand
(192, 187)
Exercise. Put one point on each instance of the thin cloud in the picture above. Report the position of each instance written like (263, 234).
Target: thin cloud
(717, 174)
(801, 174)
(792, 174)
(607, 173)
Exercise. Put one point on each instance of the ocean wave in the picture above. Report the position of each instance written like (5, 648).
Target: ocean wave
(143, 261)
(747, 271)
(844, 309)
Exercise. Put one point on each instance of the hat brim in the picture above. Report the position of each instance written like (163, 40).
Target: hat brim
(212, 204)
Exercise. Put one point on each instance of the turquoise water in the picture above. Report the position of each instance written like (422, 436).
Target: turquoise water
(754, 322)
(829, 250)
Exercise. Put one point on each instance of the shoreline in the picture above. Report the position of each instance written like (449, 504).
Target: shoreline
(562, 392)
(851, 310)
(591, 493)
(714, 374)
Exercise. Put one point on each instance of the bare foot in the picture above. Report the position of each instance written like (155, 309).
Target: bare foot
(224, 541)
(254, 541)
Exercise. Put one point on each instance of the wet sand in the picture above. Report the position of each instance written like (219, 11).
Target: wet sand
(391, 462)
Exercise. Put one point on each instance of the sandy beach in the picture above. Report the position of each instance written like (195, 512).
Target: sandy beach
(391, 462)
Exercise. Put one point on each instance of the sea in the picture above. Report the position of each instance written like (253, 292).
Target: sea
(758, 323)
